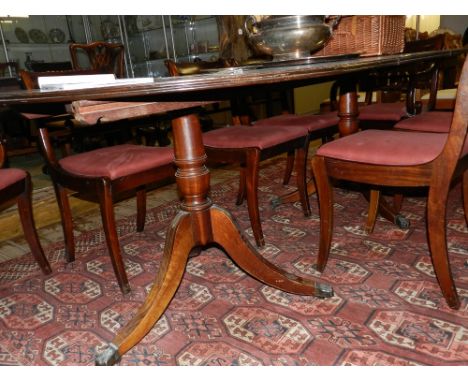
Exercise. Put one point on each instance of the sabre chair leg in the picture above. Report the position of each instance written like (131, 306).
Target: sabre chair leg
(242, 185)
(110, 231)
(67, 222)
(141, 209)
(252, 170)
(397, 202)
(301, 163)
(289, 167)
(374, 201)
(27, 222)
(436, 228)
(325, 198)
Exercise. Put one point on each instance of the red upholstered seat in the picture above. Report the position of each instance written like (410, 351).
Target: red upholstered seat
(431, 121)
(117, 161)
(106, 176)
(312, 122)
(248, 145)
(9, 176)
(395, 148)
(242, 137)
(392, 111)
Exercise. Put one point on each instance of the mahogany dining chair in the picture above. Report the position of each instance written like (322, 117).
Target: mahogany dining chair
(402, 159)
(104, 57)
(105, 176)
(16, 187)
(402, 85)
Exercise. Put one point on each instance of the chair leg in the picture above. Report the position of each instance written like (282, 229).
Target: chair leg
(67, 222)
(465, 194)
(242, 185)
(251, 176)
(110, 230)
(141, 209)
(436, 229)
(374, 201)
(301, 164)
(397, 202)
(289, 167)
(30, 233)
(325, 199)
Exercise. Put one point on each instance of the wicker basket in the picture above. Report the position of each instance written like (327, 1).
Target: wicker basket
(367, 35)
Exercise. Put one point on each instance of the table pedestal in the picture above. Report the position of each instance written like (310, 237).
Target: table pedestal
(199, 223)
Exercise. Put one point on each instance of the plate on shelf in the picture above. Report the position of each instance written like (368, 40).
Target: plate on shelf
(56, 35)
(109, 29)
(21, 35)
(145, 23)
(38, 36)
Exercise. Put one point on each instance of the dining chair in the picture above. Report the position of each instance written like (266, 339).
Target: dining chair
(107, 57)
(104, 57)
(248, 145)
(394, 158)
(400, 84)
(16, 187)
(323, 126)
(104, 176)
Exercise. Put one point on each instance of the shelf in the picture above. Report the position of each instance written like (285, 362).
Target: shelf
(21, 44)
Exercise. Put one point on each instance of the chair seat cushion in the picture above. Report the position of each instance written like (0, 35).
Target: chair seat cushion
(312, 122)
(117, 161)
(8, 176)
(246, 136)
(431, 122)
(391, 111)
(396, 148)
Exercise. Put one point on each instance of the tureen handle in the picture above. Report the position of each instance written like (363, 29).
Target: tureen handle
(335, 22)
(249, 25)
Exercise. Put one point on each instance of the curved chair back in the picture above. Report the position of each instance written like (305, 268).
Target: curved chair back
(103, 56)
(456, 146)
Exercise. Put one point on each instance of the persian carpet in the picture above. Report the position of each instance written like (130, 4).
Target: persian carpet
(387, 308)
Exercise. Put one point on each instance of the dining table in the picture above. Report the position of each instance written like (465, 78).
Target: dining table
(199, 223)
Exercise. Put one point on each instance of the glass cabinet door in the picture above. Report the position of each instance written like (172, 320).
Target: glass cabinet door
(153, 39)
(40, 39)
(195, 37)
(149, 40)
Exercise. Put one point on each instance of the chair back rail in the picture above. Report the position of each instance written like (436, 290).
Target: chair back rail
(103, 56)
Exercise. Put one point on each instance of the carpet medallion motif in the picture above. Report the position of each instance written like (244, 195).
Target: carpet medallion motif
(387, 308)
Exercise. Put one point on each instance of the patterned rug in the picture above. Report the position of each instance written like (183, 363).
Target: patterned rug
(387, 309)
